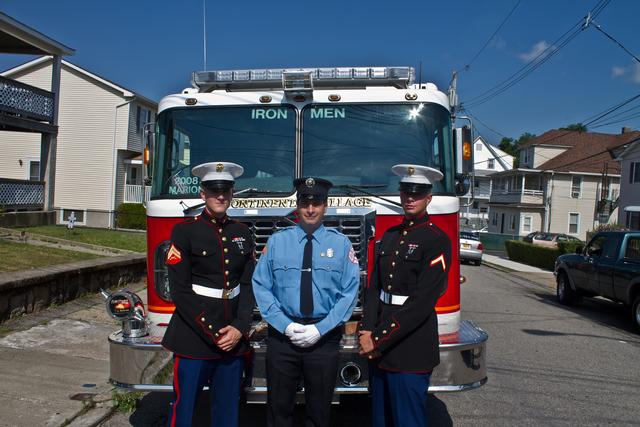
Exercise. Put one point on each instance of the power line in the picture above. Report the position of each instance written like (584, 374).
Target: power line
(599, 28)
(538, 60)
(466, 67)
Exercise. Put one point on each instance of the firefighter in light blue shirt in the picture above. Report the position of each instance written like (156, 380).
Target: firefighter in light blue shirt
(306, 285)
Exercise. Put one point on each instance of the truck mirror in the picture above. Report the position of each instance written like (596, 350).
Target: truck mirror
(462, 184)
(149, 139)
(464, 150)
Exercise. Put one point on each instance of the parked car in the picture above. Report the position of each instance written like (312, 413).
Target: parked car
(471, 248)
(609, 266)
(549, 240)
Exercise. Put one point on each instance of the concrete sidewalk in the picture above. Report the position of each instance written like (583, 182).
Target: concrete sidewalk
(524, 271)
(54, 365)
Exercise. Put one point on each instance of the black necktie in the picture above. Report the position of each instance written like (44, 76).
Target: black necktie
(306, 295)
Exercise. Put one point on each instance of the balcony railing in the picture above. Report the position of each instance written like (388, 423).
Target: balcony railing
(16, 194)
(136, 193)
(517, 196)
(25, 101)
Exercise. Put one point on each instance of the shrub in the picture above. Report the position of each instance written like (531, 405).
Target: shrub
(569, 247)
(605, 227)
(131, 215)
(527, 253)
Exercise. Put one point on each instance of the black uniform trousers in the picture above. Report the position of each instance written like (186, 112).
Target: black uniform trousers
(286, 364)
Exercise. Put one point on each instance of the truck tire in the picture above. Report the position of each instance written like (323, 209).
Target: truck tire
(635, 312)
(564, 293)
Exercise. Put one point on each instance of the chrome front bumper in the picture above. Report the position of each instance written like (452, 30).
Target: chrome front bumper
(135, 364)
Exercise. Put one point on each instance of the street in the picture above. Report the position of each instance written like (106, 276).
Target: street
(547, 364)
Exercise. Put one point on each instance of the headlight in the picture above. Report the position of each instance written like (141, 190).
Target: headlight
(161, 272)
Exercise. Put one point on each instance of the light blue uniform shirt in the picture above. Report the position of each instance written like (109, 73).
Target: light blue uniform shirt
(335, 278)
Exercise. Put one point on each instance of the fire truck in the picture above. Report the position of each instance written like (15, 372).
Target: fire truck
(348, 125)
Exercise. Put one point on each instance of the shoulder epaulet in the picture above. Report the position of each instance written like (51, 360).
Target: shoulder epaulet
(436, 229)
(334, 231)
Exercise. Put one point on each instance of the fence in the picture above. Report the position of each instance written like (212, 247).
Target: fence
(495, 241)
(136, 193)
(17, 194)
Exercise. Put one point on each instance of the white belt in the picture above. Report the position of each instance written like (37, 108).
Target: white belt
(392, 299)
(216, 293)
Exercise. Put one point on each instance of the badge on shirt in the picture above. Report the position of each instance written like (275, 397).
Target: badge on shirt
(173, 255)
(352, 256)
(239, 241)
(412, 247)
(330, 253)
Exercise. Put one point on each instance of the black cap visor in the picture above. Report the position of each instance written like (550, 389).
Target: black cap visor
(217, 185)
(412, 188)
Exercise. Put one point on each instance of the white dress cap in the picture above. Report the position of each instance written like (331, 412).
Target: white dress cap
(217, 171)
(417, 174)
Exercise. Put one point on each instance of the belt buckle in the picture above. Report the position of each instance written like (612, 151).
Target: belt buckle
(226, 293)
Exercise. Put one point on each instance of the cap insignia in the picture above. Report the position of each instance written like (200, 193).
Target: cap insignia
(219, 167)
(410, 170)
(310, 182)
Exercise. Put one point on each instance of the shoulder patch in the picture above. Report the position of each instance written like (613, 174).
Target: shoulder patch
(352, 256)
(174, 256)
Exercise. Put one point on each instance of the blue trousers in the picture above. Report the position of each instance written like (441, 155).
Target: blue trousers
(398, 399)
(223, 377)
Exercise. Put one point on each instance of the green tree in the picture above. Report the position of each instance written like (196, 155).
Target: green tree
(576, 127)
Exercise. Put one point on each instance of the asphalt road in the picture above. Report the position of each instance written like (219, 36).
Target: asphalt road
(547, 365)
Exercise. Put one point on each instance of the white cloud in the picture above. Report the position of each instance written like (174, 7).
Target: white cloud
(630, 73)
(536, 50)
(635, 73)
(498, 43)
(618, 71)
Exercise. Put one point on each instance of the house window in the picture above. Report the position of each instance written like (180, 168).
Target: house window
(143, 116)
(574, 223)
(634, 173)
(525, 157)
(483, 210)
(512, 223)
(34, 171)
(479, 146)
(491, 164)
(494, 221)
(526, 224)
(475, 205)
(476, 183)
(576, 186)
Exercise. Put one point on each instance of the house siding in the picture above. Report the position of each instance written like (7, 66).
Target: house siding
(629, 191)
(22, 145)
(562, 204)
(544, 154)
(93, 136)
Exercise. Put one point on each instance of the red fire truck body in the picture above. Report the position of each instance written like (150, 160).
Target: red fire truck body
(349, 125)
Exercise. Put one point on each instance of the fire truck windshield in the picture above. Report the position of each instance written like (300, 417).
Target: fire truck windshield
(261, 139)
(357, 144)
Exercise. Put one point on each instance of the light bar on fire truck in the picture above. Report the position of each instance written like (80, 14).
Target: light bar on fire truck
(278, 79)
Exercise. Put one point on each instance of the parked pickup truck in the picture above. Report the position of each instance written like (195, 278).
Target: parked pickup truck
(609, 266)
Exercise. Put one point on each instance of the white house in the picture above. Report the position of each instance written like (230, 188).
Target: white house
(567, 182)
(487, 160)
(99, 143)
(629, 202)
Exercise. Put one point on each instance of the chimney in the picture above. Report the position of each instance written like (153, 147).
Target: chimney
(626, 129)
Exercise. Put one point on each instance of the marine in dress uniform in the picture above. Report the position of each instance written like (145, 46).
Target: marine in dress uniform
(306, 285)
(399, 330)
(210, 261)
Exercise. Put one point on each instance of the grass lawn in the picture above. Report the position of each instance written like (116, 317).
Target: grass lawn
(128, 240)
(16, 256)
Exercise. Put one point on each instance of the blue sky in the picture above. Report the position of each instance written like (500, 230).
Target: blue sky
(151, 47)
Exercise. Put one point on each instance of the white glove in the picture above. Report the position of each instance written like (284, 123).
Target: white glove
(308, 337)
(292, 328)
